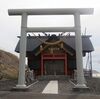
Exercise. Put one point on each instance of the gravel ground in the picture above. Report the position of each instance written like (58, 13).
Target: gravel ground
(64, 86)
(7, 85)
(38, 87)
(94, 85)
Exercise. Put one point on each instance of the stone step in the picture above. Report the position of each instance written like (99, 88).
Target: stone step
(53, 77)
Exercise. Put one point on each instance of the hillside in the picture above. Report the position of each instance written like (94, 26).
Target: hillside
(8, 65)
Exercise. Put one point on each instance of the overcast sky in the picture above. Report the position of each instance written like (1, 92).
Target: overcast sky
(10, 25)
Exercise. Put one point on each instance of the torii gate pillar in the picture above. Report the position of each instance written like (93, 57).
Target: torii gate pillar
(79, 60)
(21, 77)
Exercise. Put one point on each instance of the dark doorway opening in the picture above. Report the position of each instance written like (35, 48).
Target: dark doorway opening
(54, 67)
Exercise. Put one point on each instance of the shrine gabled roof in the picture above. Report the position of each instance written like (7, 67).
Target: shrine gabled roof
(34, 42)
(86, 43)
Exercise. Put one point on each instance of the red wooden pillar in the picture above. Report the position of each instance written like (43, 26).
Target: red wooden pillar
(41, 64)
(65, 67)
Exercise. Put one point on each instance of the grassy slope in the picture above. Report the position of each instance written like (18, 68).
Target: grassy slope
(8, 65)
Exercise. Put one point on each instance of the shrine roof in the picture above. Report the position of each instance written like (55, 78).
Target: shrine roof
(34, 42)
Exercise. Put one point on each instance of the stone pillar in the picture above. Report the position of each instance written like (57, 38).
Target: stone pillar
(21, 77)
(79, 60)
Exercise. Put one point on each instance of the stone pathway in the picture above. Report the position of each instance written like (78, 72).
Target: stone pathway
(51, 87)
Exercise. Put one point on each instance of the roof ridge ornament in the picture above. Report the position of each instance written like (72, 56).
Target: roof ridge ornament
(48, 43)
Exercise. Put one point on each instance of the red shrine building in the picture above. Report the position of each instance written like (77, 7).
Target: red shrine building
(54, 55)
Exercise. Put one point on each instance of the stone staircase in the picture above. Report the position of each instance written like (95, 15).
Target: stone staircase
(53, 77)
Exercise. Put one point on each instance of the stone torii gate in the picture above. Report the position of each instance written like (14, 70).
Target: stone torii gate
(76, 12)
